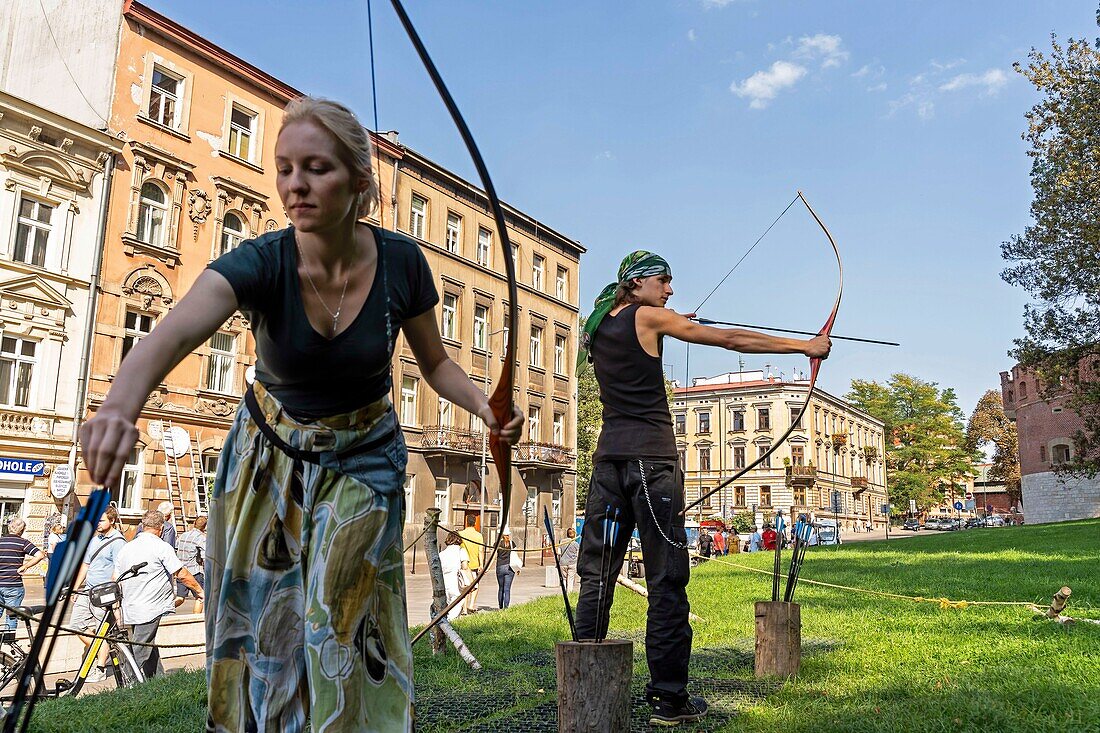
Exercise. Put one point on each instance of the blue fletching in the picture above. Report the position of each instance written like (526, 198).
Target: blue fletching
(70, 551)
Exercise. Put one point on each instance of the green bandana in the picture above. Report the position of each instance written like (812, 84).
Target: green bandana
(635, 264)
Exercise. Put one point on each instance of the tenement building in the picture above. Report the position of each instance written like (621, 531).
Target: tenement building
(191, 135)
(1045, 428)
(723, 423)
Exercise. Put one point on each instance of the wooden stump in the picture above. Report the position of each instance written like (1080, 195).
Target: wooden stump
(778, 639)
(594, 686)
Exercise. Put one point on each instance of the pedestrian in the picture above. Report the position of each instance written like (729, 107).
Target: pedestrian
(733, 542)
(768, 538)
(756, 540)
(637, 479)
(304, 546)
(98, 568)
(455, 564)
(719, 543)
(168, 511)
(148, 595)
(17, 556)
(472, 541)
(506, 572)
(569, 559)
(706, 543)
(191, 550)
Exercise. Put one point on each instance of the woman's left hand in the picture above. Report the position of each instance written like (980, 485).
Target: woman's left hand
(512, 430)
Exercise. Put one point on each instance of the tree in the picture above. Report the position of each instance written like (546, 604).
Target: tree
(989, 424)
(926, 451)
(589, 423)
(1057, 258)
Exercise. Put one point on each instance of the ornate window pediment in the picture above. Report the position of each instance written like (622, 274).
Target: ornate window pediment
(147, 286)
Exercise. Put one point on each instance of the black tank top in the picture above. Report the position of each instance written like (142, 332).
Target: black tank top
(636, 421)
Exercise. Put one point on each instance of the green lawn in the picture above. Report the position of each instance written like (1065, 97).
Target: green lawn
(869, 664)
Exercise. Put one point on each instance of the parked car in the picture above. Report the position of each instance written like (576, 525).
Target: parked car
(912, 525)
(951, 524)
(975, 522)
(994, 521)
(932, 523)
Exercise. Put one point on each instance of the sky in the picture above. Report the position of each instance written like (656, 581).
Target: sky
(686, 126)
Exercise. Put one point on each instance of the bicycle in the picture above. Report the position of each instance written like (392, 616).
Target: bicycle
(120, 660)
(14, 658)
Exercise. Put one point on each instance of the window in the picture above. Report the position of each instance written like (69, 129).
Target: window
(797, 455)
(1043, 453)
(408, 400)
(538, 270)
(738, 420)
(446, 413)
(739, 456)
(16, 370)
(232, 233)
(704, 459)
(1023, 390)
(800, 495)
(152, 212)
(454, 232)
(555, 505)
(536, 346)
(796, 416)
(410, 495)
(683, 458)
(559, 354)
(680, 421)
(739, 496)
(210, 468)
(765, 496)
(761, 450)
(128, 495)
(481, 327)
(450, 315)
(32, 233)
(242, 128)
(418, 215)
(763, 419)
(484, 245)
(559, 428)
(704, 422)
(561, 284)
(219, 370)
(534, 422)
(164, 98)
(443, 497)
(530, 506)
(1059, 453)
(138, 325)
(515, 256)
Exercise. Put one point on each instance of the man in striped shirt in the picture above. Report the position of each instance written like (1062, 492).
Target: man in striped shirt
(17, 555)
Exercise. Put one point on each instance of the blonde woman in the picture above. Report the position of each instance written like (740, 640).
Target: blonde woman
(306, 618)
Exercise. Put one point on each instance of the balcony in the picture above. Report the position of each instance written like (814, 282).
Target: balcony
(801, 475)
(23, 423)
(440, 440)
(859, 482)
(542, 453)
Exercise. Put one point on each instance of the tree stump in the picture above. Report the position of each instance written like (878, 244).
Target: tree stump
(594, 686)
(778, 639)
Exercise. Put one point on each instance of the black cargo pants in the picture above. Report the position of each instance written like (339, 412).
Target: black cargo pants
(617, 486)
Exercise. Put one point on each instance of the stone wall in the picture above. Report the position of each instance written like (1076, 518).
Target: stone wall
(1052, 498)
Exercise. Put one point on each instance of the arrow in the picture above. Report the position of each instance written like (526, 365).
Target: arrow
(709, 322)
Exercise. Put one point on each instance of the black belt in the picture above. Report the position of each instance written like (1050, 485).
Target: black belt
(305, 455)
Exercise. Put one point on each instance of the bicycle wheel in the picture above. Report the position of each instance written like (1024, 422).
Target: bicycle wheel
(11, 668)
(127, 671)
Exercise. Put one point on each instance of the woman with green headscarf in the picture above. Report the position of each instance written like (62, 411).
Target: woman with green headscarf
(637, 480)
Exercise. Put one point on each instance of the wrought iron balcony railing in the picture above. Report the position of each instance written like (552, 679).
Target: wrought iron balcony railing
(533, 452)
(436, 436)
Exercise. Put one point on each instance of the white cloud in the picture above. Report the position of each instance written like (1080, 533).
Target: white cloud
(920, 101)
(945, 65)
(880, 87)
(691, 35)
(990, 81)
(604, 155)
(870, 71)
(763, 86)
(711, 4)
(830, 49)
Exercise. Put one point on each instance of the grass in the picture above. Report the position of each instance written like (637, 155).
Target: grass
(870, 664)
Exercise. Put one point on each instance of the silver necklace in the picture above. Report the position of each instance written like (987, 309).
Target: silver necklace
(340, 305)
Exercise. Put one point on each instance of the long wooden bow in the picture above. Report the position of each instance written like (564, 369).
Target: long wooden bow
(815, 368)
(501, 401)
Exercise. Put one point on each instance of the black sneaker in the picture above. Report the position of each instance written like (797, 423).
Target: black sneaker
(670, 713)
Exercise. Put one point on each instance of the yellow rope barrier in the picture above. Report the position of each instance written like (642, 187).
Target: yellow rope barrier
(943, 602)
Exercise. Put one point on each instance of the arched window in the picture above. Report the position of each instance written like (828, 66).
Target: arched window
(232, 233)
(152, 213)
(1060, 454)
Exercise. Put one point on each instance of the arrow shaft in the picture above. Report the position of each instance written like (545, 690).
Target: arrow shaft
(709, 322)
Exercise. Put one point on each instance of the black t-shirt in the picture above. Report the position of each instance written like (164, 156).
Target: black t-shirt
(313, 376)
